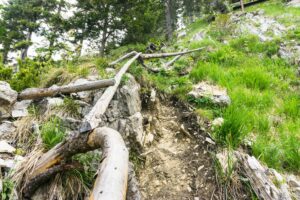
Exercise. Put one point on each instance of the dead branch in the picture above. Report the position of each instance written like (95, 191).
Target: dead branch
(123, 58)
(154, 70)
(93, 118)
(164, 55)
(262, 185)
(35, 182)
(113, 169)
(168, 64)
(37, 93)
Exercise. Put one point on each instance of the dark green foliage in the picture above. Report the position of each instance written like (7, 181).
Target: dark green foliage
(5, 73)
(28, 75)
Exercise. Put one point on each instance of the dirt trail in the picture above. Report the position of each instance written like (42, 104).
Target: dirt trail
(178, 164)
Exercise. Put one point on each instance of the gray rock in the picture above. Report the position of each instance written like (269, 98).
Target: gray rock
(294, 3)
(182, 34)
(49, 103)
(292, 181)
(20, 108)
(136, 127)
(6, 128)
(5, 147)
(131, 92)
(7, 95)
(84, 95)
(216, 94)
(198, 36)
(5, 112)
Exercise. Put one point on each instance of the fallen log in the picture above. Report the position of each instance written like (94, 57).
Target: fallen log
(93, 118)
(238, 5)
(123, 58)
(86, 141)
(37, 93)
(113, 170)
(262, 185)
(164, 55)
(111, 183)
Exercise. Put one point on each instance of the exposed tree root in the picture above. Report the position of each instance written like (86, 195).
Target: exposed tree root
(113, 169)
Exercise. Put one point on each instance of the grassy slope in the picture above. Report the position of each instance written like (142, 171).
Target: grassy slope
(264, 89)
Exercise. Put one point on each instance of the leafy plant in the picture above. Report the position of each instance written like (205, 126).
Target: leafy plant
(7, 189)
(52, 132)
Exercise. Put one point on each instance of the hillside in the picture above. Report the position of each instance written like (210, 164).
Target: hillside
(222, 122)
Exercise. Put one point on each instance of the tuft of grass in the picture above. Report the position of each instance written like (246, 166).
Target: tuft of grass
(71, 107)
(90, 162)
(234, 129)
(52, 132)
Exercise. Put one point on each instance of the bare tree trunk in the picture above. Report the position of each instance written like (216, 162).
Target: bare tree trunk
(242, 5)
(168, 16)
(103, 39)
(24, 51)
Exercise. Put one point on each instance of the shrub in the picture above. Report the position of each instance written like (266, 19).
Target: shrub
(5, 73)
(28, 74)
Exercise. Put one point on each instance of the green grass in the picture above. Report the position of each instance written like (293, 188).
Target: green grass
(71, 107)
(52, 132)
(263, 88)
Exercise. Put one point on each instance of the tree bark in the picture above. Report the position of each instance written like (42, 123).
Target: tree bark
(24, 51)
(242, 5)
(37, 93)
(168, 16)
(113, 170)
(104, 38)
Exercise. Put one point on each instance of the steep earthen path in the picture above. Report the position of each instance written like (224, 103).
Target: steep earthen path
(178, 164)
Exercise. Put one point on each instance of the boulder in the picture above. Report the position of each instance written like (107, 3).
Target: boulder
(198, 36)
(6, 148)
(216, 94)
(49, 103)
(136, 127)
(5, 112)
(294, 3)
(131, 91)
(6, 128)
(7, 95)
(20, 108)
(217, 122)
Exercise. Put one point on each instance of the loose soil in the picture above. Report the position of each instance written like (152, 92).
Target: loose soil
(178, 164)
